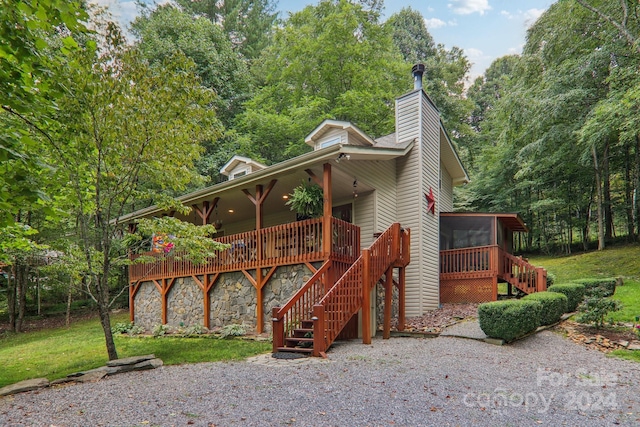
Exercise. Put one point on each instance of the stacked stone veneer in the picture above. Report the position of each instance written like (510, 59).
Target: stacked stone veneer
(233, 299)
(380, 303)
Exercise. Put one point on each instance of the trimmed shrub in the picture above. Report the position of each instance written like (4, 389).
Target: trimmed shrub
(551, 279)
(554, 305)
(595, 308)
(509, 319)
(573, 291)
(592, 286)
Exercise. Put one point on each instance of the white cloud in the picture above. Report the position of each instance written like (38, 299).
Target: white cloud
(528, 16)
(473, 53)
(434, 23)
(467, 7)
(532, 15)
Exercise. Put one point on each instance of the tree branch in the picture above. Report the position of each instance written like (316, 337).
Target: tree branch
(622, 28)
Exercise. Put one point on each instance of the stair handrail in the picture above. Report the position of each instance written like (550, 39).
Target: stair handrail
(306, 296)
(528, 278)
(344, 299)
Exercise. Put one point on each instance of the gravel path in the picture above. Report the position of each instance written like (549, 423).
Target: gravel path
(544, 380)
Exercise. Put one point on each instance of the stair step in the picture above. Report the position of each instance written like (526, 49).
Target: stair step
(296, 349)
(300, 339)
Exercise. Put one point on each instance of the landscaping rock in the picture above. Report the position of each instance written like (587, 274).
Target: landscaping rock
(22, 386)
(634, 346)
(130, 360)
(91, 376)
(494, 341)
(148, 364)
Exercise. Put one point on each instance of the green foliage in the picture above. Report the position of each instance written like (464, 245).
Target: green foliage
(509, 319)
(248, 23)
(232, 330)
(167, 30)
(573, 292)
(127, 328)
(55, 353)
(35, 38)
(160, 330)
(554, 305)
(596, 307)
(307, 200)
(333, 60)
(551, 279)
(411, 36)
(191, 242)
(605, 286)
(16, 243)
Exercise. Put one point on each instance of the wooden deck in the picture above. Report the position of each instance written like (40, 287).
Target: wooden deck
(257, 254)
(472, 274)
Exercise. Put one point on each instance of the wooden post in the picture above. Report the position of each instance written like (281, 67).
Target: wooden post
(164, 301)
(132, 302)
(278, 329)
(206, 300)
(326, 212)
(259, 308)
(318, 330)
(401, 298)
(366, 297)
(541, 279)
(388, 293)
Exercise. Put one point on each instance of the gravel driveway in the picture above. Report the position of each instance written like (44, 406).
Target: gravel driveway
(544, 380)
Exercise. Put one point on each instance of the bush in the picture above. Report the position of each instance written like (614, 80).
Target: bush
(595, 308)
(573, 291)
(551, 279)
(233, 330)
(160, 330)
(554, 305)
(591, 286)
(509, 319)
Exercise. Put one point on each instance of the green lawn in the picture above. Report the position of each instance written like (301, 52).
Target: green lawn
(612, 262)
(55, 353)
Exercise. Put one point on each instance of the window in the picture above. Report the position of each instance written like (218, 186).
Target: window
(238, 174)
(332, 141)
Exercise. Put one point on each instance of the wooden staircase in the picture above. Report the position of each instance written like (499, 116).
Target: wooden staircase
(313, 318)
(517, 272)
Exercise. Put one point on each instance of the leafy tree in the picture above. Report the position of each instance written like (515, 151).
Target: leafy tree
(445, 70)
(127, 131)
(248, 23)
(332, 60)
(26, 91)
(166, 30)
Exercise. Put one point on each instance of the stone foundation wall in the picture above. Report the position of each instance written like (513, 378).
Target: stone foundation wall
(148, 306)
(184, 303)
(380, 304)
(233, 299)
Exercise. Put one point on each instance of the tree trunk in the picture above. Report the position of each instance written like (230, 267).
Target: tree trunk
(11, 297)
(606, 193)
(103, 309)
(601, 233)
(637, 185)
(21, 293)
(628, 194)
(69, 295)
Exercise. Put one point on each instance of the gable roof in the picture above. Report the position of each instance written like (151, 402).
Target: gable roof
(236, 160)
(355, 134)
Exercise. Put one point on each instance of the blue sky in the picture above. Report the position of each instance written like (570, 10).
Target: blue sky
(485, 29)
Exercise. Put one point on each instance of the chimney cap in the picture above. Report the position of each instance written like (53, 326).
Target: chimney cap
(417, 71)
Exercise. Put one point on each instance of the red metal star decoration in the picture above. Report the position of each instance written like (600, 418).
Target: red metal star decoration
(431, 201)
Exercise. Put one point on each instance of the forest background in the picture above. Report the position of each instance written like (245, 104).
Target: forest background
(95, 126)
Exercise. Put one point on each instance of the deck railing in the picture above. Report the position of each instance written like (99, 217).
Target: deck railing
(482, 261)
(285, 244)
(292, 243)
(465, 261)
(333, 310)
(524, 276)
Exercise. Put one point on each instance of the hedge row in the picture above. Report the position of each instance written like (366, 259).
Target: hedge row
(554, 305)
(509, 319)
(573, 291)
(598, 287)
